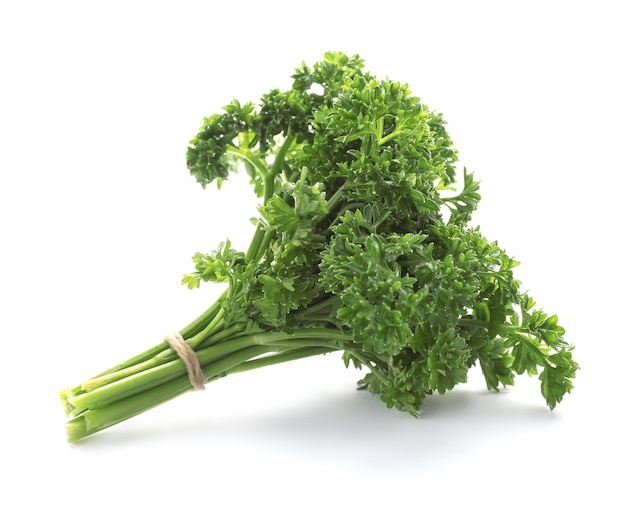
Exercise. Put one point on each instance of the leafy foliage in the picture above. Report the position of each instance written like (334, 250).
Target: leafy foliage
(362, 245)
(355, 175)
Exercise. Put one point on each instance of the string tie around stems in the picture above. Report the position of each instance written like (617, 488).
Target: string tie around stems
(189, 358)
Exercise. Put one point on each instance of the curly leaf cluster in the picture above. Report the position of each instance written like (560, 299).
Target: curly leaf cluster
(361, 230)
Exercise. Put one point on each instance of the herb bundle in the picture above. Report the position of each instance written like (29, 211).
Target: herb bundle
(363, 245)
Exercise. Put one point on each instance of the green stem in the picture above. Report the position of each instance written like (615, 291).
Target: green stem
(336, 198)
(286, 356)
(276, 167)
(262, 236)
(257, 240)
(134, 364)
(323, 310)
(388, 137)
(249, 156)
(198, 324)
(281, 155)
(126, 397)
(95, 420)
(473, 323)
(395, 133)
(214, 326)
(380, 124)
(212, 320)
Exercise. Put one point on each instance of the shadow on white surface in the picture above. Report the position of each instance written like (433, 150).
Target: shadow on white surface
(256, 437)
(344, 428)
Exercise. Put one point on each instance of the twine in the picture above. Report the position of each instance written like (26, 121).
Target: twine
(189, 358)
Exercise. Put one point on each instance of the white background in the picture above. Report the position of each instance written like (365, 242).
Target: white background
(99, 218)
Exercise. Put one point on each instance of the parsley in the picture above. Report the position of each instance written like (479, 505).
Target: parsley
(362, 245)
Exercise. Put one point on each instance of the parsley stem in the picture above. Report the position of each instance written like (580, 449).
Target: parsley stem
(202, 321)
(248, 156)
(473, 323)
(282, 357)
(155, 355)
(262, 236)
(276, 167)
(155, 381)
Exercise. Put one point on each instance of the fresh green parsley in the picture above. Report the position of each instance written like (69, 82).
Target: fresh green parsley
(362, 245)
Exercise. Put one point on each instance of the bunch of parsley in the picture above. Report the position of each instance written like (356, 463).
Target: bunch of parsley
(362, 245)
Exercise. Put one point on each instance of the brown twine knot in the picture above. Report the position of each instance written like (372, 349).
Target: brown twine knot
(189, 358)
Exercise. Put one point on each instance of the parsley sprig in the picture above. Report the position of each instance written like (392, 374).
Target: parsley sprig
(362, 245)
